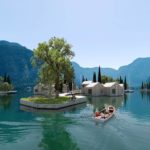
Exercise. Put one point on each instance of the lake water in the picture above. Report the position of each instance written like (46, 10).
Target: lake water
(74, 129)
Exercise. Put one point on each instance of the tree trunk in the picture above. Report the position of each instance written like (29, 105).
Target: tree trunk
(50, 90)
(57, 87)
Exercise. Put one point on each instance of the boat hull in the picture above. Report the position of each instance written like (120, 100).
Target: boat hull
(106, 116)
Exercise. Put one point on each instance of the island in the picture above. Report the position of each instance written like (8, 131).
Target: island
(6, 86)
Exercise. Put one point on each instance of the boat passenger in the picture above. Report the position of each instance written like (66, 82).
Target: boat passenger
(97, 113)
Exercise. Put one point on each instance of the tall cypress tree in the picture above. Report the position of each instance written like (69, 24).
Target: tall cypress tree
(125, 83)
(8, 79)
(83, 79)
(120, 80)
(94, 77)
(99, 75)
(142, 86)
(148, 85)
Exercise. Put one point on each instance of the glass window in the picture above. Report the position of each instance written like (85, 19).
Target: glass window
(113, 91)
(90, 91)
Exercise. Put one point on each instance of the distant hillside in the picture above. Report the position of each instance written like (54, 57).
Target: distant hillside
(15, 61)
(137, 71)
(88, 72)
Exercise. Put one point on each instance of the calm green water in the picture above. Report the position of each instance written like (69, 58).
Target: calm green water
(73, 129)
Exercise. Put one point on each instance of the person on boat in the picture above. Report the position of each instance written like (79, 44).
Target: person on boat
(97, 113)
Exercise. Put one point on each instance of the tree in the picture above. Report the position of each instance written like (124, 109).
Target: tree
(107, 79)
(120, 80)
(99, 75)
(8, 79)
(5, 87)
(5, 77)
(83, 79)
(142, 86)
(94, 77)
(1, 80)
(70, 86)
(125, 83)
(54, 57)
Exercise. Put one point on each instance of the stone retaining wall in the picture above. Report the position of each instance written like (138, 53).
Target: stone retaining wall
(53, 106)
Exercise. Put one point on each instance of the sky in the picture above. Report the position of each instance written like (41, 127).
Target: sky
(109, 33)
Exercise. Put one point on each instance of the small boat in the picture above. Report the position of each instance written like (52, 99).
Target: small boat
(105, 113)
(128, 91)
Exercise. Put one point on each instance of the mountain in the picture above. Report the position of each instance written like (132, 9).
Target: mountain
(15, 61)
(137, 71)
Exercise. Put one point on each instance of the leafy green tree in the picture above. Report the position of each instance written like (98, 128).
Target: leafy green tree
(106, 79)
(5, 86)
(99, 75)
(1, 80)
(54, 57)
(94, 77)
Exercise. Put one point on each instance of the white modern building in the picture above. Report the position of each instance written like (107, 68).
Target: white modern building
(98, 89)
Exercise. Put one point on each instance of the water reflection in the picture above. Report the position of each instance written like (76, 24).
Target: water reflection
(138, 105)
(63, 110)
(5, 101)
(145, 95)
(11, 133)
(54, 125)
(99, 102)
(55, 135)
(69, 129)
(125, 99)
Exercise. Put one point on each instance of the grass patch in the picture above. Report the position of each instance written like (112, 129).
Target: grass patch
(44, 100)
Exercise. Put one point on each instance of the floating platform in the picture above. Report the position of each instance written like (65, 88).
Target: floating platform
(78, 100)
(7, 92)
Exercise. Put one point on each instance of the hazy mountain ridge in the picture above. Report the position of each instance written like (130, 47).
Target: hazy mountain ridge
(16, 61)
(88, 72)
(137, 71)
